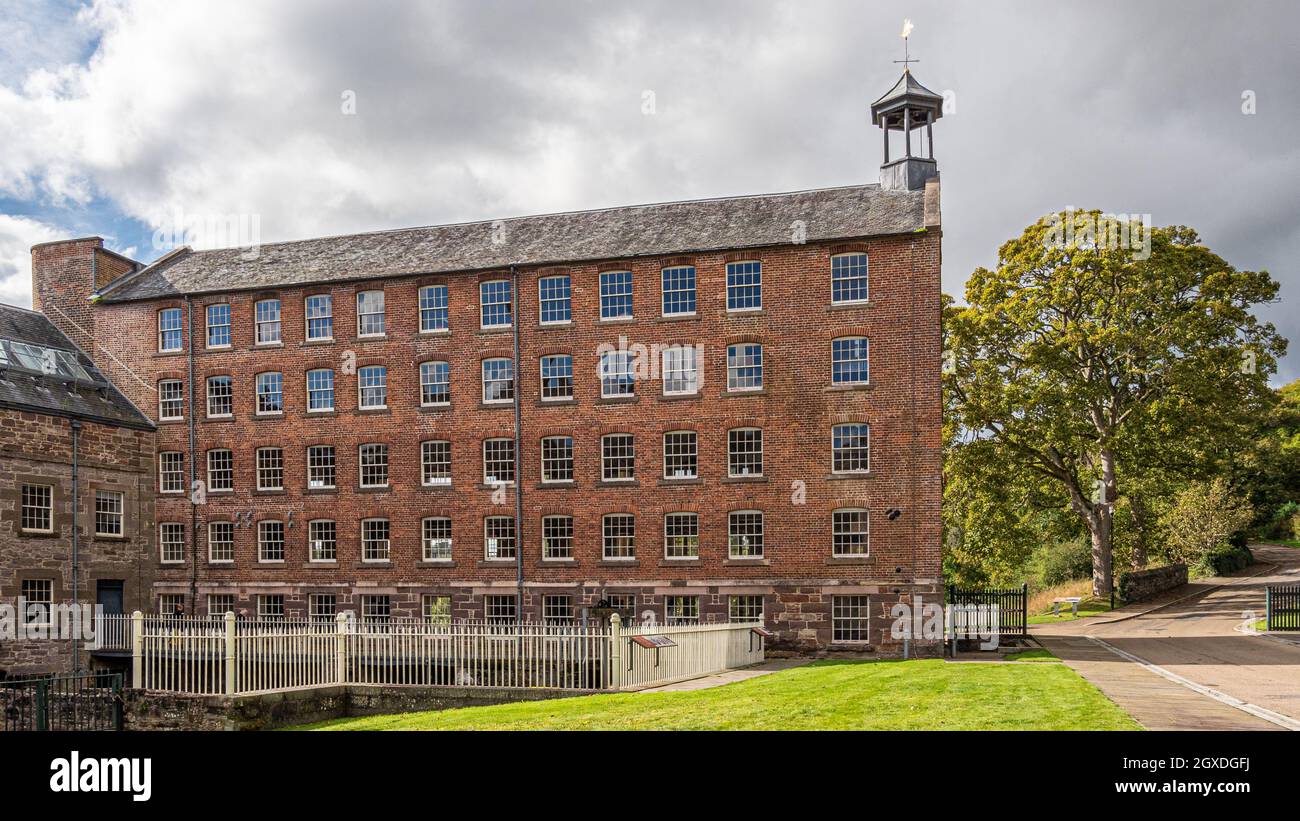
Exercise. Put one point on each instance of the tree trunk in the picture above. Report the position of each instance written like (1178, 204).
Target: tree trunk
(1100, 528)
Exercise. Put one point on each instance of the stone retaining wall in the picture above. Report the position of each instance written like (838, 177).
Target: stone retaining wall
(1140, 585)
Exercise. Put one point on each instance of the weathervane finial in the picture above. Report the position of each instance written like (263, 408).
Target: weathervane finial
(907, 31)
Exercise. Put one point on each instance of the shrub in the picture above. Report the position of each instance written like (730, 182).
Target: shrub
(1056, 563)
(1204, 519)
(1284, 523)
(1228, 559)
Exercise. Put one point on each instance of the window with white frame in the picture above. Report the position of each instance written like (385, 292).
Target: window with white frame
(322, 607)
(682, 535)
(557, 459)
(498, 380)
(374, 465)
(617, 457)
(221, 469)
(319, 309)
(436, 538)
(624, 604)
(270, 393)
(850, 361)
(557, 609)
(619, 534)
(744, 452)
(498, 537)
(557, 377)
(109, 513)
(219, 604)
(372, 387)
(270, 606)
(320, 467)
(498, 461)
(38, 598)
(850, 532)
(270, 541)
(745, 534)
(744, 286)
(435, 383)
(495, 308)
(848, 278)
(171, 399)
(435, 609)
(681, 610)
(171, 472)
(745, 609)
(320, 390)
(851, 448)
(322, 540)
(169, 330)
(171, 542)
(221, 396)
(433, 309)
(435, 463)
(616, 376)
(219, 326)
(555, 301)
(616, 295)
(221, 542)
(557, 537)
(681, 374)
(850, 618)
(370, 313)
(680, 455)
(376, 609)
(679, 290)
(375, 544)
(270, 469)
(171, 604)
(499, 609)
(37, 508)
(267, 314)
(745, 367)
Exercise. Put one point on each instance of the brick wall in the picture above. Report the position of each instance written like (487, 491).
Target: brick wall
(796, 411)
(36, 449)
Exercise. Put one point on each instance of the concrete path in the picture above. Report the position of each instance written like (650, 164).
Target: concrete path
(1185, 665)
(729, 677)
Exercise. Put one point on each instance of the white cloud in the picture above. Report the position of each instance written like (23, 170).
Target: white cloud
(17, 236)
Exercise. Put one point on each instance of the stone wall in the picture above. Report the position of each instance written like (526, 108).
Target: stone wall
(1140, 585)
(154, 710)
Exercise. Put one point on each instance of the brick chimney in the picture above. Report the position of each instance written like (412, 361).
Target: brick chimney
(64, 275)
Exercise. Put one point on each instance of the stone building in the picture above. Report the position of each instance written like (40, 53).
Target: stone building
(713, 409)
(76, 491)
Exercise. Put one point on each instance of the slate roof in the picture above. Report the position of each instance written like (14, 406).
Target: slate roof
(93, 399)
(552, 239)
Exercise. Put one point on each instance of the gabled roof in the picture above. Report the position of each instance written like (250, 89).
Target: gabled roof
(552, 239)
(42, 371)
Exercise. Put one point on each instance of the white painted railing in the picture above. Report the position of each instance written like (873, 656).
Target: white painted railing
(213, 656)
(696, 650)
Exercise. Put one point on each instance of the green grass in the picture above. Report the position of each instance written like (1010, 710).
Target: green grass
(826, 695)
(1087, 607)
(1036, 654)
(1261, 625)
(1284, 542)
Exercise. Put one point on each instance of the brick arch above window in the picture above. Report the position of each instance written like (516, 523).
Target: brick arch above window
(550, 432)
(496, 353)
(616, 265)
(749, 338)
(611, 429)
(493, 276)
(181, 375)
(676, 262)
(742, 256)
(846, 248)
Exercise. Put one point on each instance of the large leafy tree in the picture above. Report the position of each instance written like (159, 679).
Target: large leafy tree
(1081, 364)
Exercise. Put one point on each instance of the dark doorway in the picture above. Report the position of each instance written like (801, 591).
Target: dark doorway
(108, 595)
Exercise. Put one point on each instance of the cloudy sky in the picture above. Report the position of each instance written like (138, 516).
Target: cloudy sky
(118, 115)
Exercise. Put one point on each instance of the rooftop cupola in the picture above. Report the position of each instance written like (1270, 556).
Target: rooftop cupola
(908, 107)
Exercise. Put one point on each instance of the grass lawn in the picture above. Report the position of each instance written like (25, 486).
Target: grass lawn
(1087, 607)
(826, 695)
(1036, 654)
(1285, 542)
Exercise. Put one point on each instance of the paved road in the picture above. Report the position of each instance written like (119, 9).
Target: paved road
(1195, 640)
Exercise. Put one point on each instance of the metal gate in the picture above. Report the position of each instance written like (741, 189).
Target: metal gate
(78, 701)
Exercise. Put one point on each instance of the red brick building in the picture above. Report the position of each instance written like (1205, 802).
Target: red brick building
(713, 409)
(76, 492)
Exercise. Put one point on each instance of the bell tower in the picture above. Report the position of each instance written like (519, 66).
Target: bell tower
(908, 108)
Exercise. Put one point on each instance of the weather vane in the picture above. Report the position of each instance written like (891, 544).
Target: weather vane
(907, 30)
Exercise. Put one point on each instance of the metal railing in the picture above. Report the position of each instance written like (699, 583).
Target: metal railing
(76, 701)
(227, 656)
(1282, 605)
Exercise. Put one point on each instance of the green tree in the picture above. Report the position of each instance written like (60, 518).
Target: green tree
(1081, 361)
(1202, 518)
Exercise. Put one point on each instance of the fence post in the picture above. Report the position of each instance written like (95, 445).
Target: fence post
(615, 642)
(137, 650)
(230, 653)
(340, 649)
